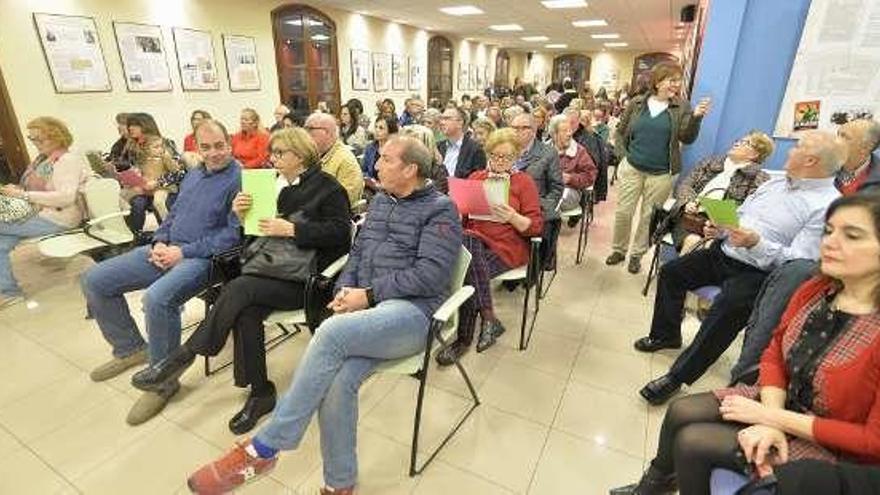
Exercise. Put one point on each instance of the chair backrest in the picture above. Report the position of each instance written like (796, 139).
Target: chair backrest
(457, 282)
(102, 198)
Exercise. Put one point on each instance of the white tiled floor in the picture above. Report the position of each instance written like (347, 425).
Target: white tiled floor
(562, 417)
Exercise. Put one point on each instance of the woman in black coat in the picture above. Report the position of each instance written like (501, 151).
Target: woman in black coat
(314, 211)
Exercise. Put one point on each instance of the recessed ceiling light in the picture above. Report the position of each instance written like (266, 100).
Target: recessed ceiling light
(616, 45)
(564, 4)
(461, 10)
(606, 36)
(534, 38)
(506, 27)
(556, 45)
(320, 37)
(589, 23)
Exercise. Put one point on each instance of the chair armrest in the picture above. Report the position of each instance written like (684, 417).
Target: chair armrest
(104, 218)
(452, 303)
(336, 267)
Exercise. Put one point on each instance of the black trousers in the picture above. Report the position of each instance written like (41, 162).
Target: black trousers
(694, 440)
(240, 308)
(739, 283)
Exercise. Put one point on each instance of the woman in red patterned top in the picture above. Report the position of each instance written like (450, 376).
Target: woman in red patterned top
(817, 395)
(496, 245)
(250, 146)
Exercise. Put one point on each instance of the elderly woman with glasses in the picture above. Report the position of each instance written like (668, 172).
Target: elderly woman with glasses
(497, 242)
(735, 175)
(46, 196)
(313, 211)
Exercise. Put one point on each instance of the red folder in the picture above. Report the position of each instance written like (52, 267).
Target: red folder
(469, 196)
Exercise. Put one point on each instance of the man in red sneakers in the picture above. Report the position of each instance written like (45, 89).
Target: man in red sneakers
(396, 277)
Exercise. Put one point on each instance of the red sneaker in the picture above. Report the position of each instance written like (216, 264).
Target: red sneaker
(337, 491)
(229, 472)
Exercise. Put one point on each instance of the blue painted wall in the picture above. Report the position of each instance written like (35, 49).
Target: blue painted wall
(748, 51)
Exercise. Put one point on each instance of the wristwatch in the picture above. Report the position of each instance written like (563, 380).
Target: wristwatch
(371, 298)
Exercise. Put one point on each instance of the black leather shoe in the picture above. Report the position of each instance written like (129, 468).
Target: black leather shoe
(152, 378)
(650, 344)
(659, 391)
(451, 353)
(254, 408)
(615, 258)
(635, 264)
(653, 482)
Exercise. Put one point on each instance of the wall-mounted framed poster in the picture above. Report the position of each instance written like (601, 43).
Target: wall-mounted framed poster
(195, 59)
(241, 62)
(360, 70)
(142, 52)
(381, 71)
(73, 53)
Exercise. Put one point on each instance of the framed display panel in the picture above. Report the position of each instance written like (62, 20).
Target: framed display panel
(415, 74)
(472, 77)
(195, 59)
(241, 62)
(142, 52)
(381, 71)
(398, 72)
(72, 49)
(462, 76)
(360, 70)
(479, 77)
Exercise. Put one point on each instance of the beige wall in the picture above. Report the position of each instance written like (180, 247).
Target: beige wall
(605, 66)
(90, 115)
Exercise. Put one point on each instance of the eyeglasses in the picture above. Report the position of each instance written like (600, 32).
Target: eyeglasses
(279, 154)
(499, 158)
(744, 142)
(315, 128)
(520, 128)
(35, 139)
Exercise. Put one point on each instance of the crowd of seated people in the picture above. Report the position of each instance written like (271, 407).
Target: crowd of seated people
(398, 269)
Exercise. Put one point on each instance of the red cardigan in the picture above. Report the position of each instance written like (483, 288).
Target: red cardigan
(189, 143)
(847, 387)
(582, 169)
(504, 240)
(252, 149)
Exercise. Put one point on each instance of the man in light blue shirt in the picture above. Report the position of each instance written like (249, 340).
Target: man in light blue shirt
(461, 154)
(782, 220)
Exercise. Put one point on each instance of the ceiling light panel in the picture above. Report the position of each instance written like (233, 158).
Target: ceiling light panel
(605, 36)
(556, 45)
(564, 4)
(535, 38)
(460, 10)
(616, 45)
(506, 27)
(589, 23)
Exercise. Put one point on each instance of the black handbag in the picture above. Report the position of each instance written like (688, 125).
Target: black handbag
(279, 257)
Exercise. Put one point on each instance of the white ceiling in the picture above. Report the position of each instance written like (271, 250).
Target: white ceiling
(647, 25)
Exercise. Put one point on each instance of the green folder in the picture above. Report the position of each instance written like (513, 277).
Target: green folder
(260, 184)
(722, 212)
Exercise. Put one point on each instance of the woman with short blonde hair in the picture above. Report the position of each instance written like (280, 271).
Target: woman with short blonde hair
(46, 196)
(313, 216)
(497, 242)
(483, 127)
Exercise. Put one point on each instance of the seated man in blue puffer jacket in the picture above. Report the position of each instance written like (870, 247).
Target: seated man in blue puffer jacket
(397, 275)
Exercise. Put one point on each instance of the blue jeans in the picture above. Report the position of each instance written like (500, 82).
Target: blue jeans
(106, 283)
(343, 353)
(771, 302)
(10, 235)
